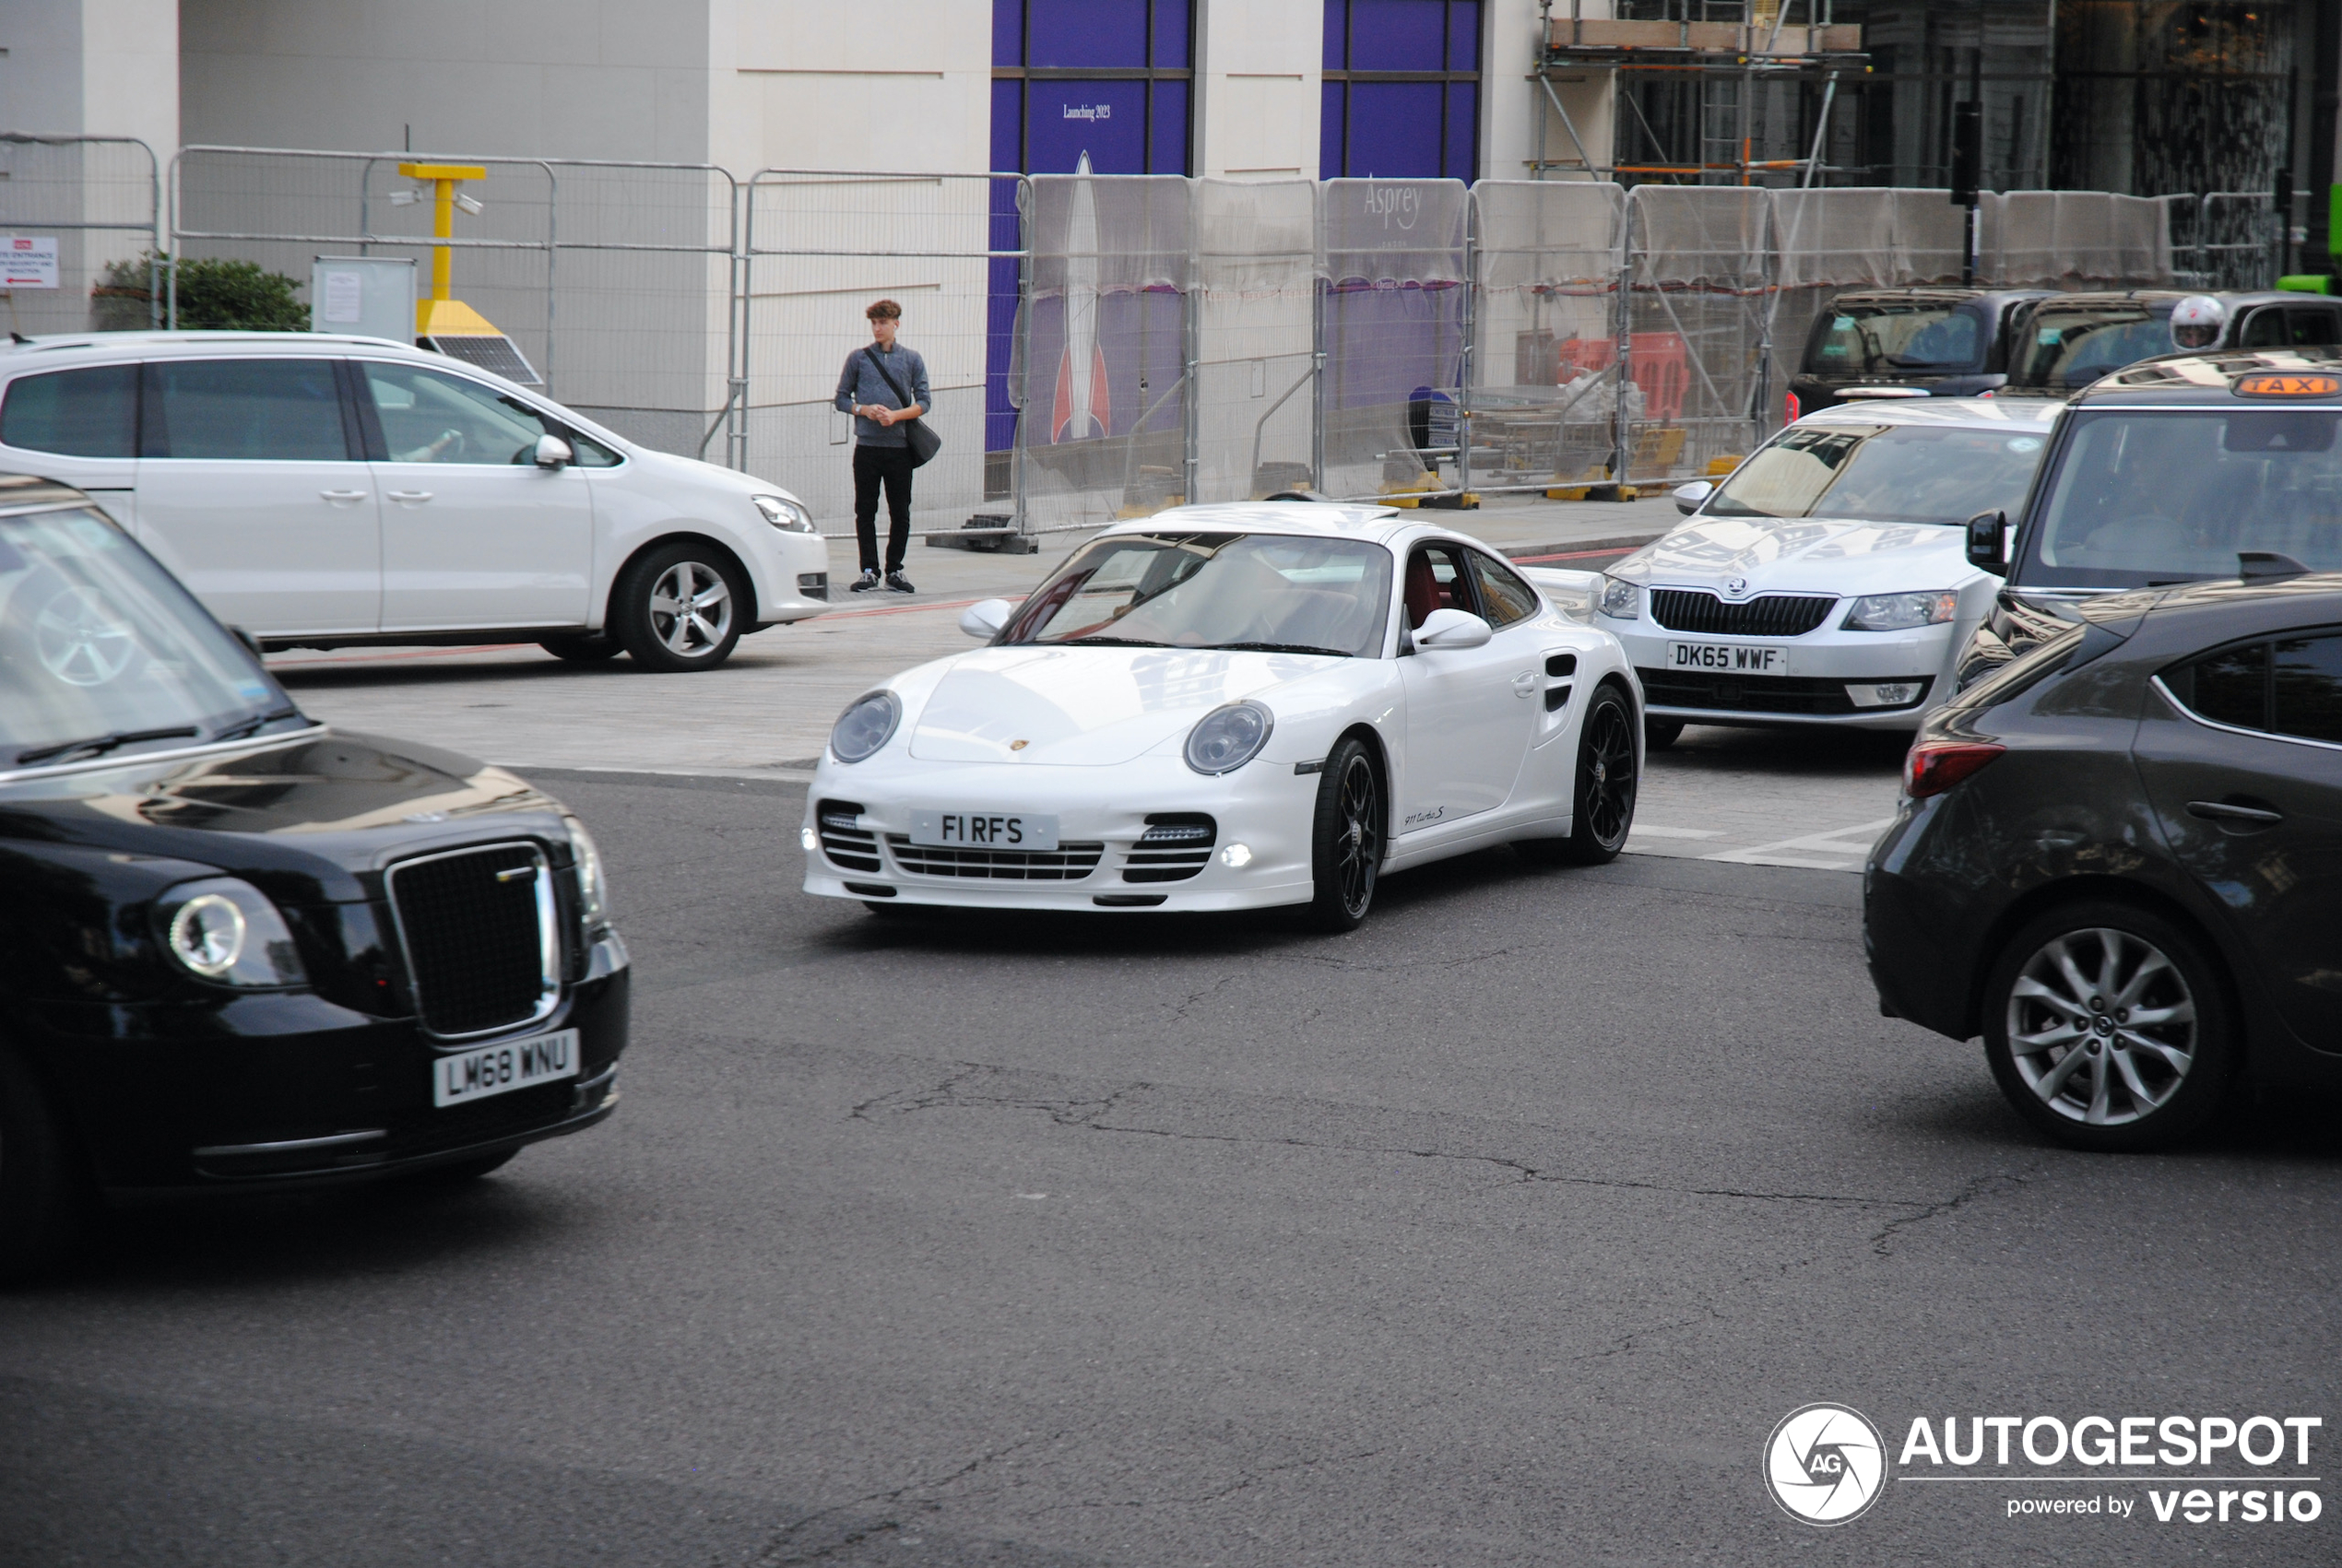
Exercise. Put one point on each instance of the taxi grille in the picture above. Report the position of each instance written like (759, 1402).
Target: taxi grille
(1176, 846)
(1767, 614)
(853, 848)
(481, 947)
(1067, 862)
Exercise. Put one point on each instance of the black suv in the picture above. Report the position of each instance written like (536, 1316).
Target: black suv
(1908, 342)
(242, 950)
(2119, 858)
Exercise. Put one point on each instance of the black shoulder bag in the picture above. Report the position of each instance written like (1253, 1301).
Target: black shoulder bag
(923, 441)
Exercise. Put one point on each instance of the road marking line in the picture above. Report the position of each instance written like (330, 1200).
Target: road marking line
(1819, 843)
(1658, 833)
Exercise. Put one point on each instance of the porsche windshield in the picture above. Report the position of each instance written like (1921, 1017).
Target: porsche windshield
(1274, 593)
(1883, 474)
(2147, 497)
(102, 651)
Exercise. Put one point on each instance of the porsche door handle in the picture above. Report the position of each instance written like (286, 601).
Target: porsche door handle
(1524, 684)
(2226, 811)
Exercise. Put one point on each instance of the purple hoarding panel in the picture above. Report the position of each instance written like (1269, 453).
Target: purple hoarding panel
(1337, 33)
(1008, 123)
(1463, 37)
(1007, 34)
(1169, 130)
(1128, 371)
(1330, 134)
(1464, 132)
(1106, 119)
(1172, 20)
(1381, 344)
(1397, 35)
(1394, 130)
(1094, 33)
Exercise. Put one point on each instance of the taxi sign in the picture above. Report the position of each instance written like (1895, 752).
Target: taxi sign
(2287, 384)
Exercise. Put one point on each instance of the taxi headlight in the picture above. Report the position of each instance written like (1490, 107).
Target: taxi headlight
(784, 513)
(1227, 738)
(1903, 612)
(1621, 600)
(866, 724)
(593, 892)
(228, 933)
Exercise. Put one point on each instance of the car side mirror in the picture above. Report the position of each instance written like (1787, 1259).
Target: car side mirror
(1987, 535)
(553, 453)
(1446, 630)
(1688, 497)
(985, 618)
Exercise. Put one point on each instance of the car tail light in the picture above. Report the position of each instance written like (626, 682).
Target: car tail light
(1933, 767)
(1793, 407)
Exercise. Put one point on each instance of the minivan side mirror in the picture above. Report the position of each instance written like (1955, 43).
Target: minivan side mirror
(1446, 630)
(553, 453)
(1688, 497)
(1987, 540)
(985, 618)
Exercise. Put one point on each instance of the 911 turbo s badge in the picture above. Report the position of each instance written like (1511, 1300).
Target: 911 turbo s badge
(1417, 818)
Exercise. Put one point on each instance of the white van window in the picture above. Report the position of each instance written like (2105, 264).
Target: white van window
(431, 417)
(249, 410)
(84, 413)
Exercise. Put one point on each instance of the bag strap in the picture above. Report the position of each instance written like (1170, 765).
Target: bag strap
(891, 384)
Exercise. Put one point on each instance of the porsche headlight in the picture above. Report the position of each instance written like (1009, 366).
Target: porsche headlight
(1621, 600)
(866, 724)
(1227, 738)
(228, 933)
(592, 893)
(784, 513)
(1903, 612)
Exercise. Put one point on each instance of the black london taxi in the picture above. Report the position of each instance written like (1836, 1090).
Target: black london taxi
(1909, 343)
(240, 950)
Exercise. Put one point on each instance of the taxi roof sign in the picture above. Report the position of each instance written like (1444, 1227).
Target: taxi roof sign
(2287, 383)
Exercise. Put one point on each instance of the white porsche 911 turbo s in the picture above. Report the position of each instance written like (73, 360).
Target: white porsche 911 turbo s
(1826, 582)
(1232, 707)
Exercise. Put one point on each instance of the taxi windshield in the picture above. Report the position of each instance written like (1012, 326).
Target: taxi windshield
(2147, 497)
(1867, 340)
(1273, 592)
(2073, 347)
(1883, 474)
(102, 651)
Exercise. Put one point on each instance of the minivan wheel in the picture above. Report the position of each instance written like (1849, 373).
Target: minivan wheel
(43, 1199)
(2108, 1028)
(681, 607)
(588, 648)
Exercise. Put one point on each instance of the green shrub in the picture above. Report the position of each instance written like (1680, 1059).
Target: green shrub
(215, 295)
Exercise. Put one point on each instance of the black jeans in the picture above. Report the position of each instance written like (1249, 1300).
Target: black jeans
(892, 465)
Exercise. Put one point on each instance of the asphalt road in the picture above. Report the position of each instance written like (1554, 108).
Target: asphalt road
(1501, 1232)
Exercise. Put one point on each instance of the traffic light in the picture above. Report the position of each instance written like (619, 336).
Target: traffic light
(1967, 151)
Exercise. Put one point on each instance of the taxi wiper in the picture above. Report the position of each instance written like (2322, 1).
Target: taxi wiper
(1109, 643)
(244, 727)
(1281, 648)
(99, 745)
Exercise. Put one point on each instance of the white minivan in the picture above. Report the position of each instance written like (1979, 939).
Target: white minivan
(319, 491)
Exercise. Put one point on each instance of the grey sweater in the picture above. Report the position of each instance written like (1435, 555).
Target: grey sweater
(860, 382)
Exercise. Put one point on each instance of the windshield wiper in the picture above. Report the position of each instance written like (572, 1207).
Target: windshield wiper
(1109, 643)
(99, 745)
(239, 730)
(1279, 648)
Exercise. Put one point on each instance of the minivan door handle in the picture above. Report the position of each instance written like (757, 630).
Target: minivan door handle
(2227, 812)
(409, 495)
(343, 495)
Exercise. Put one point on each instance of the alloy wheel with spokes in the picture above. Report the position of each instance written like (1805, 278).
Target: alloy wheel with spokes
(2108, 1028)
(1346, 841)
(1603, 793)
(679, 608)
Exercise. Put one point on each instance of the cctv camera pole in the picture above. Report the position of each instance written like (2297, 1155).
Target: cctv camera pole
(443, 178)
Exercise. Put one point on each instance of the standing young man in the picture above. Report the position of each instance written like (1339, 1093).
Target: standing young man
(885, 386)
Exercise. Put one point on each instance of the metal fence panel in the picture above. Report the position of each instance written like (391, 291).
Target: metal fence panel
(1398, 323)
(100, 198)
(1699, 261)
(1547, 260)
(1256, 300)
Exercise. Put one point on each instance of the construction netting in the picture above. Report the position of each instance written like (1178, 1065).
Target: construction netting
(1545, 404)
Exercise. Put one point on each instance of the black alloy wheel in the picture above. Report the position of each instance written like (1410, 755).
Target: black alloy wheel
(682, 607)
(43, 1199)
(588, 648)
(1660, 733)
(1345, 840)
(1603, 799)
(2109, 1028)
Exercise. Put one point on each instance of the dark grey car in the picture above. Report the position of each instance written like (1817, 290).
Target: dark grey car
(2119, 859)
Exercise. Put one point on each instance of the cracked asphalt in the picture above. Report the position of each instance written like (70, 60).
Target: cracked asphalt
(1501, 1232)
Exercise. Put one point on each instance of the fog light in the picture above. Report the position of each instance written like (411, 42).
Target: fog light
(810, 839)
(1236, 855)
(1886, 694)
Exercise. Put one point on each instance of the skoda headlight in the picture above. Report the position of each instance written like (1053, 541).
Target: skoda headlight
(866, 724)
(1621, 600)
(1903, 612)
(228, 932)
(592, 893)
(784, 513)
(1227, 738)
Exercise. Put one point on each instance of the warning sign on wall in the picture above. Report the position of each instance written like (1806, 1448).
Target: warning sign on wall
(28, 260)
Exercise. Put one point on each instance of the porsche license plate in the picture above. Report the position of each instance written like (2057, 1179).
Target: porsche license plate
(466, 1076)
(984, 830)
(1728, 658)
